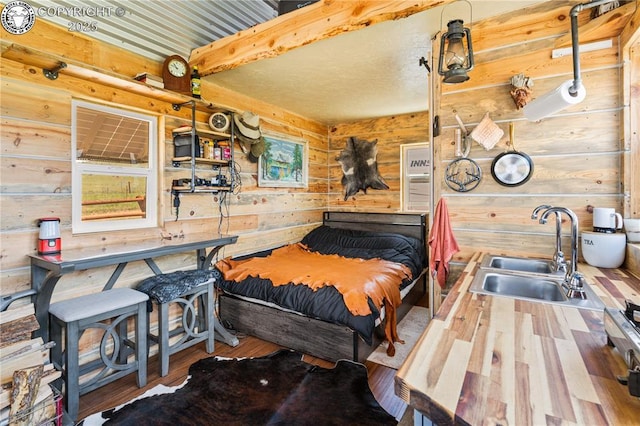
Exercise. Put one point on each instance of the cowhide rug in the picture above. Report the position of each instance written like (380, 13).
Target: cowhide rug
(278, 389)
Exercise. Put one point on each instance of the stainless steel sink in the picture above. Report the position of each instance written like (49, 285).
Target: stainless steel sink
(525, 287)
(531, 288)
(521, 264)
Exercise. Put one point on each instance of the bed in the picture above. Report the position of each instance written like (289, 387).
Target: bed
(318, 321)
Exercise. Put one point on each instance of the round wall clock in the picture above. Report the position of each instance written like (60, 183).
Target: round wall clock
(177, 68)
(219, 122)
(176, 74)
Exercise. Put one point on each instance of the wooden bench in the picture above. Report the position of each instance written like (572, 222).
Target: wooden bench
(109, 311)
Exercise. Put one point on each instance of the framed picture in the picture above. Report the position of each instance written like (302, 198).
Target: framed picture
(283, 163)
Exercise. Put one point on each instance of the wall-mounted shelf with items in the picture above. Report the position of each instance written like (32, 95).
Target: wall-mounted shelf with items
(53, 65)
(195, 146)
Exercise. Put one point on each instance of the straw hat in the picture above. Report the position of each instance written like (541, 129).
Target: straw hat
(248, 124)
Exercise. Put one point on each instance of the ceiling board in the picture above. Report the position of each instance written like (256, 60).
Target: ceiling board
(344, 78)
(368, 73)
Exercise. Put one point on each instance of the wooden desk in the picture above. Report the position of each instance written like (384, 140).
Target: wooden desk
(46, 270)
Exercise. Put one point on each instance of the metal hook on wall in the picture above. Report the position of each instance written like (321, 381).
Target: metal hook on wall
(52, 74)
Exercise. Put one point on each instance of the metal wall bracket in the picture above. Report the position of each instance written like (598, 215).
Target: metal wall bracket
(52, 74)
(176, 107)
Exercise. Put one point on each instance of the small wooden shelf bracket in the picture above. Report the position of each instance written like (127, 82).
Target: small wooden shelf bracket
(52, 74)
(176, 107)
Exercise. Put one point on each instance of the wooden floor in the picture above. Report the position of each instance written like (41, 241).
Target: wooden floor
(381, 378)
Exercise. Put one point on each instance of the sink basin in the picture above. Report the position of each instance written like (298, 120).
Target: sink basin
(523, 287)
(532, 288)
(521, 264)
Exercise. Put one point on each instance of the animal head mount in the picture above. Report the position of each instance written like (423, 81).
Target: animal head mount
(360, 167)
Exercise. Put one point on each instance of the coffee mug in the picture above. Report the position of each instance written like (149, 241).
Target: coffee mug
(606, 220)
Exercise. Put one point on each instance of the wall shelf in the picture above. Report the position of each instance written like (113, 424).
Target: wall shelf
(207, 161)
(201, 189)
(53, 65)
(202, 132)
(194, 185)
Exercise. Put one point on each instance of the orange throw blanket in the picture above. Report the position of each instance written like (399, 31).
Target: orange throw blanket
(355, 279)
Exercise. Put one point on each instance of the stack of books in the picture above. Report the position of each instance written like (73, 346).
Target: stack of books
(150, 79)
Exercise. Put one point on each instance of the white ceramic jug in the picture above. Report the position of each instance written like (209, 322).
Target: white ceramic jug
(606, 220)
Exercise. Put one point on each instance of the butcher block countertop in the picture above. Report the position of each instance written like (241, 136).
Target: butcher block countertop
(489, 360)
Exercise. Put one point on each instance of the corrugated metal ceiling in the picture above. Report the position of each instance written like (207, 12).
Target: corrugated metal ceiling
(159, 28)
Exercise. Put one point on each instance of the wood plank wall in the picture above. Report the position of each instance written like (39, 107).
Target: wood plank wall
(391, 133)
(577, 153)
(35, 168)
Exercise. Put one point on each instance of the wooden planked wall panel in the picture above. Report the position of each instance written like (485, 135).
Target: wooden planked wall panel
(512, 213)
(538, 22)
(20, 175)
(632, 129)
(602, 96)
(577, 153)
(25, 138)
(390, 132)
(35, 170)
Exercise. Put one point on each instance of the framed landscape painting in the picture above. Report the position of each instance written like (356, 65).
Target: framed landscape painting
(283, 163)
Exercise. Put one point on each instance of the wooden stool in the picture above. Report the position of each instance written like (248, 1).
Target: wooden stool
(197, 320)
(74, 316)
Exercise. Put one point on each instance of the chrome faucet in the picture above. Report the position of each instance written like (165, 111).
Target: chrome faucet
(559, 261)
(573, 279)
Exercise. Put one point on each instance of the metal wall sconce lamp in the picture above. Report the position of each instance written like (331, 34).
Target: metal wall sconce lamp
(456, 51)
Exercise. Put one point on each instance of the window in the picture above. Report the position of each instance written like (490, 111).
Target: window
(415, 169)
(114, 176)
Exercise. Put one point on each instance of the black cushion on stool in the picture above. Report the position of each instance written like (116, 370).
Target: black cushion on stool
(166, 287)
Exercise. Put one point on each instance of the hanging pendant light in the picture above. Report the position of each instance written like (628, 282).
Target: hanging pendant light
(456, 51)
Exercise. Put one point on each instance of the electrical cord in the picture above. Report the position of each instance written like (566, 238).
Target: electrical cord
(224, 202)
(176, 203)
(234, 170)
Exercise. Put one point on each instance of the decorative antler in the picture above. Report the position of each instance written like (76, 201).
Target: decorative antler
(521, 89)
(468, 181)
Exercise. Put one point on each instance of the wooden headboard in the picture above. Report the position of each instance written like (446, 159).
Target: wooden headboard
(409, 224)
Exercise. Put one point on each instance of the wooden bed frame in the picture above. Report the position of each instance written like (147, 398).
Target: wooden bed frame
(313, 336)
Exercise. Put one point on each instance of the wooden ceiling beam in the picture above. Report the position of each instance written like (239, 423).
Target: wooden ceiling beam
(631, 33)
(309, 24)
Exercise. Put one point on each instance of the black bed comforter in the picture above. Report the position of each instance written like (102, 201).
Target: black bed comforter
(326, 303)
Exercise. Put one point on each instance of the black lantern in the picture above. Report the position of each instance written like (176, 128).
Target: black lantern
(457, 57)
